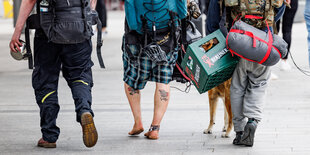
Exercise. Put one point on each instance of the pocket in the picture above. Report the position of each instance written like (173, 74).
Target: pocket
(69, 32)
(131, 52)
(165, 41)
(36, 82)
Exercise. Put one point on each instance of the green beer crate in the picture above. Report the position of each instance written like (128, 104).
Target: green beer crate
(208, 69)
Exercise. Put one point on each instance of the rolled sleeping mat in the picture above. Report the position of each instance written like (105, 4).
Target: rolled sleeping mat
(255, 45)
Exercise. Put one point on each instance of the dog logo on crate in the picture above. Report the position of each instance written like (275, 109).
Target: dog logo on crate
(207, 60)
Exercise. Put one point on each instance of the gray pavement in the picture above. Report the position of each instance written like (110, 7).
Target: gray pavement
(284, 129)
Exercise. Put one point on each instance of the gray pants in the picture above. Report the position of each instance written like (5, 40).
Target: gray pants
(247, 92)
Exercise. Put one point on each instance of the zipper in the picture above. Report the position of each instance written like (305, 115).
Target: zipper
(68, 2)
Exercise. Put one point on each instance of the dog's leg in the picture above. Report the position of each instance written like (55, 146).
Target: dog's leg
(212, 104)
(225, 118)
(229, 114)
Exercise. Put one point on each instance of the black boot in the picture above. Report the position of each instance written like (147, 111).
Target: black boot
(249, 132)
(237, 140)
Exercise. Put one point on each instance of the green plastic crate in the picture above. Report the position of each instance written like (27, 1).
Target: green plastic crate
(209, 69)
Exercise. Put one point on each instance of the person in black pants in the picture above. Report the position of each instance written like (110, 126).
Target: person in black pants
(73, 59)
(102, 12)
(287, 24)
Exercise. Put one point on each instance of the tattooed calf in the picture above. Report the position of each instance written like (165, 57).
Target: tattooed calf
(132, 91)
(163, 95)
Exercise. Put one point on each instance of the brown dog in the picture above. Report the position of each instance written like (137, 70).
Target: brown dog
(220, 91)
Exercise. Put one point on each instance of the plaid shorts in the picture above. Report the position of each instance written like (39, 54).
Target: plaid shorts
(136, 74)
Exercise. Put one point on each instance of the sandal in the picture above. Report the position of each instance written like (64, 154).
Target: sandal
(148, 135)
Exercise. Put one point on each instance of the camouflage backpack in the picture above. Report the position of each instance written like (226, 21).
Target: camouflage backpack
(258, 8)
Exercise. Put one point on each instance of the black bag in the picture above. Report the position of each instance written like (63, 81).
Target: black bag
(192, 33)
(189, 34)
(75, 25)
(66, 21)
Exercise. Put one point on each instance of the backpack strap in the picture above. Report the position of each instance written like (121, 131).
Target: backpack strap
(99, 43)
(52, 4)
(173, 28)
(28, 48)
(221, 7)
(242, 4)
(183, 31)
(247, 6)
(144, 29)
(268, 11)
(31, 23)
(38, 6)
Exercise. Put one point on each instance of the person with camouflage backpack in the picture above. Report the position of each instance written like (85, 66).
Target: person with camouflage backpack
(250, 79)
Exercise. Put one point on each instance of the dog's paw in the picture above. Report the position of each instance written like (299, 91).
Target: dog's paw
(224, 129)
(225, 135)
(207, 131)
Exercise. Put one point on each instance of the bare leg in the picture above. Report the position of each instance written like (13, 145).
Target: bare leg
(133, 97)
(161, 100)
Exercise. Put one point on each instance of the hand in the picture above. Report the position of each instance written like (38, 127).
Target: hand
(194, 9)
(287, 3)
(15, 43)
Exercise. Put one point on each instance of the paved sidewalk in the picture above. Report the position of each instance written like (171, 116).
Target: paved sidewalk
(284, 129)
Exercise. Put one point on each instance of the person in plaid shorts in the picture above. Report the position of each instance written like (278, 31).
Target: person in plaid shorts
(137, 73)
(139, 65)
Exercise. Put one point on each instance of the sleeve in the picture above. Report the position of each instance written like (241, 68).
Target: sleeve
(213, 17)
(131, 15)
(182, 8)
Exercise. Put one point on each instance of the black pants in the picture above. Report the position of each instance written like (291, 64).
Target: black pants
(75, 62)
(287, 23)
(102, 12)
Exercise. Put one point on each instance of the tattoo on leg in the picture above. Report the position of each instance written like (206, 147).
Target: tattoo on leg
(132, 91)
(163, 95)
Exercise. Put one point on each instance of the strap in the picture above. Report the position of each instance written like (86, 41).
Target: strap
(173, 29)
(247, 6)
(38, 6)
(183, 31)
(268, 9)
(235, 53)
(252, 17)
(221, 7)
(270, 41)
(144, 29)
(28, 48)
(242, 3)
(85, 3)
(99, 43)
(154, 128)
(250, 34)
